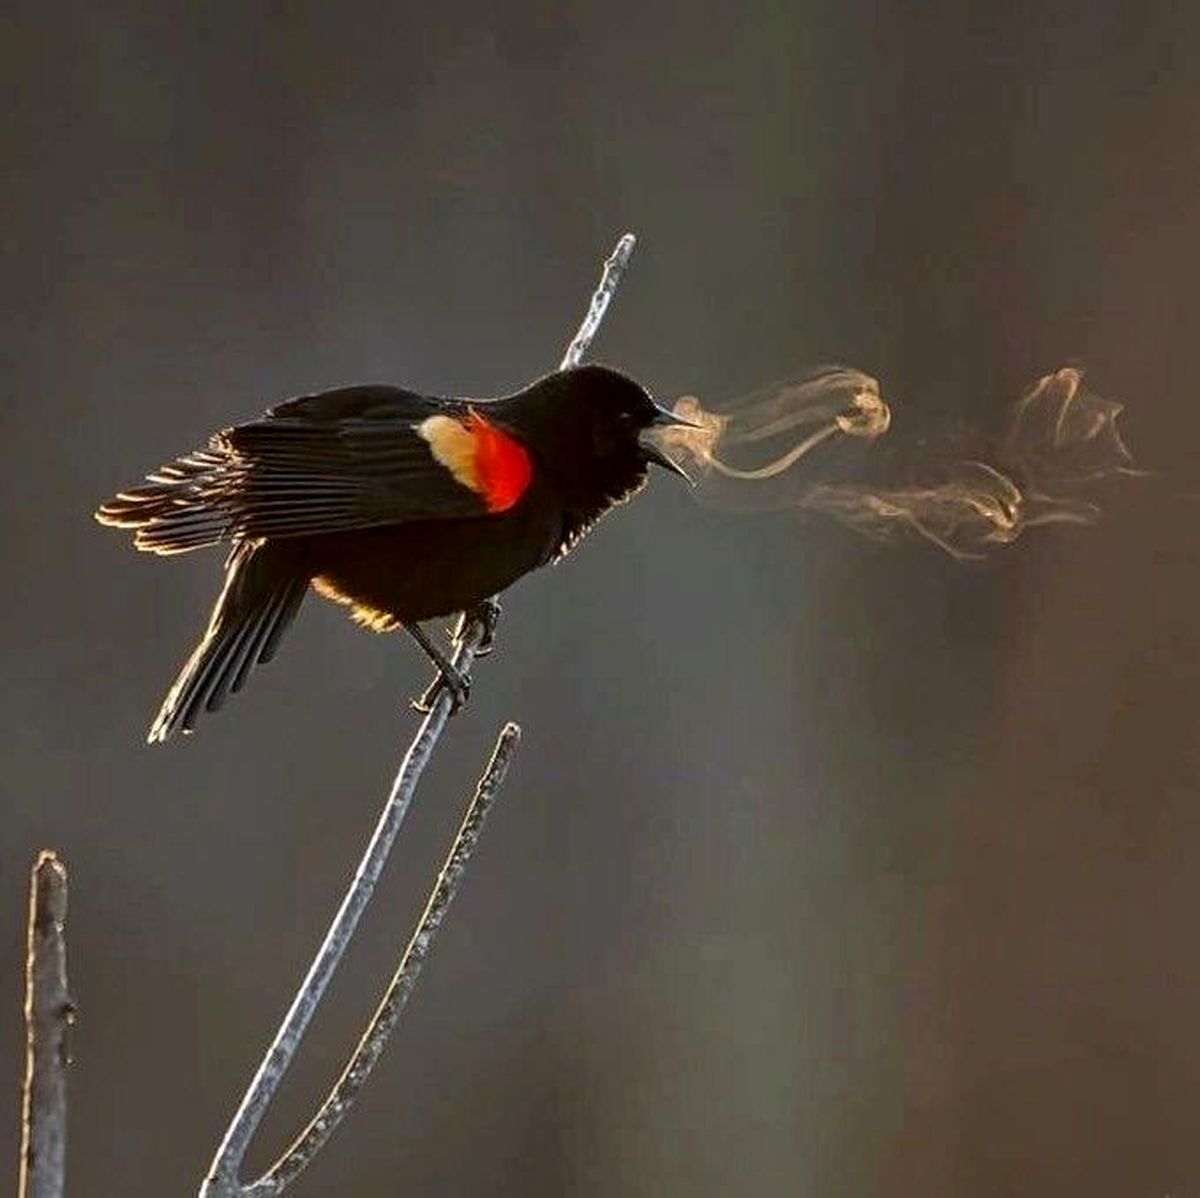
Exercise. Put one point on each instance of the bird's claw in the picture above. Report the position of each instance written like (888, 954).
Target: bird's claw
(487, 616)
(451, 680)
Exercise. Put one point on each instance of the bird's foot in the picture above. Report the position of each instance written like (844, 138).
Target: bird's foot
(448, 679)
(487, 616)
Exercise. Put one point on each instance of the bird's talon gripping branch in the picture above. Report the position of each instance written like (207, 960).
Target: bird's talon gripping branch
(487, 616)
(450, 679)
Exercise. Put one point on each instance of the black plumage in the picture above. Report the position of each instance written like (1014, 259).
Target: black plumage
(402, 506)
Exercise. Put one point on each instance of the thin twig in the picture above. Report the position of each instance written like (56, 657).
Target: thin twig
(224, 1180)
(49, 1015)
(363, 1059)
(614, 268)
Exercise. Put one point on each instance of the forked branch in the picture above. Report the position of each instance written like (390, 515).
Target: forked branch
(224, 1179)
(395, 998)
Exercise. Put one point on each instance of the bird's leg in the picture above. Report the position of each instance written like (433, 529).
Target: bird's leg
(448, 677)
(487, 615)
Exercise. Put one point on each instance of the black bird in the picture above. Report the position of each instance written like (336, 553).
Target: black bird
(401, 506)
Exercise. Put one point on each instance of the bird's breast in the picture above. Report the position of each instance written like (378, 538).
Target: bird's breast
(418, 570)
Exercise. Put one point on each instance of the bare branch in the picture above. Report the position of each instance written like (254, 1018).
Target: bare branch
(363, 1059)
(614, 268)
(49, 1014)
(224, 1179)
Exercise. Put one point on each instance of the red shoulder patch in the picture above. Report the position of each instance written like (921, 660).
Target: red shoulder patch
(503, 468)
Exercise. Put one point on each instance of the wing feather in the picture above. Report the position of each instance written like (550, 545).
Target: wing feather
(344, 459)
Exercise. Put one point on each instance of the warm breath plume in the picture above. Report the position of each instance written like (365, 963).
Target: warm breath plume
(1058, 441)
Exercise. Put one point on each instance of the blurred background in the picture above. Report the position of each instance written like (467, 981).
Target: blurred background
(824, 868)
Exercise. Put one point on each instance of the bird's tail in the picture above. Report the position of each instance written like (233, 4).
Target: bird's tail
(263, 590)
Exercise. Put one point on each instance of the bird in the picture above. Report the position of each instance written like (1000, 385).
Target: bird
(401, 506)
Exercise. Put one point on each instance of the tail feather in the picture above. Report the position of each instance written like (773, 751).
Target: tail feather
(262, 593)
(270, 628)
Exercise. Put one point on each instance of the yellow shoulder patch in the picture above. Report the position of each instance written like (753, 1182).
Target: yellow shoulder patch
(453, 445)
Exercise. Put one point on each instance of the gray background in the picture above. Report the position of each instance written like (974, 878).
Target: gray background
(824, 869)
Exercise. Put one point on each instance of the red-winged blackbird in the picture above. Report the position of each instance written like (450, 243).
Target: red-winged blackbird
(401, 506)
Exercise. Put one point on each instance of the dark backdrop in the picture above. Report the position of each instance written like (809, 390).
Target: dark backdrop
(824, 869)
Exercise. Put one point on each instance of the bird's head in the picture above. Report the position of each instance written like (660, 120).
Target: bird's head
(592, 427)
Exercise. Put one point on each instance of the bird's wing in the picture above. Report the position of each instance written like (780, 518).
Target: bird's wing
(349, 458)
(345, 459)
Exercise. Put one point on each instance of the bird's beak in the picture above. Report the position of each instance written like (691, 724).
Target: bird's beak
(651, 440)
(665, 418)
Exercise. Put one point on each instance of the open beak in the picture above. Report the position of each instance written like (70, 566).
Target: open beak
(651, 436)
